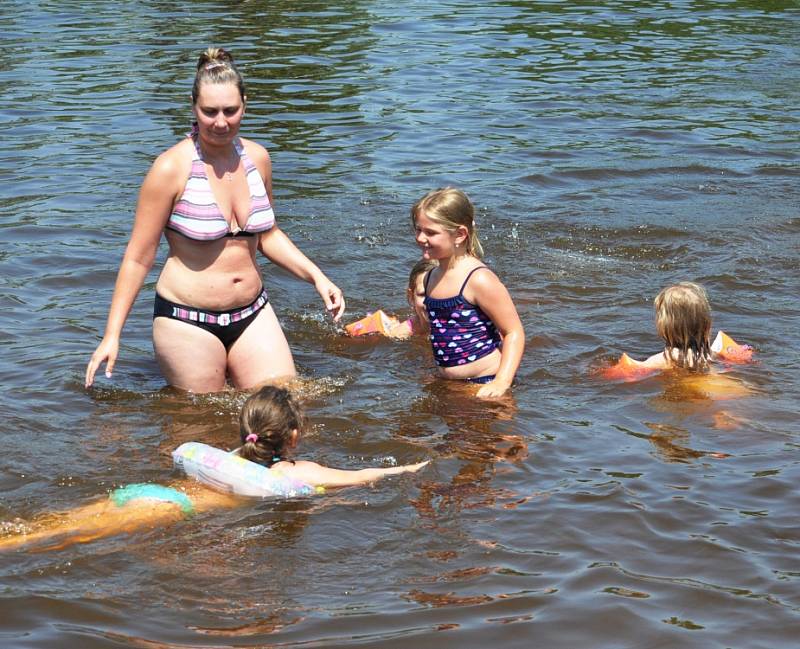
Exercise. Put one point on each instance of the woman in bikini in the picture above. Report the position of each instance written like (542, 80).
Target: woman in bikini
(211, 196)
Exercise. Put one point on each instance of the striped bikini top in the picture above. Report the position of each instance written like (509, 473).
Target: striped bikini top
(460, 331)
(197, 216)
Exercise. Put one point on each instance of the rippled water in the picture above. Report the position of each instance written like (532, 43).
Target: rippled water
(610, 149)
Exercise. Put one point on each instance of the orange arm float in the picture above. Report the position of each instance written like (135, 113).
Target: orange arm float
(727, 349)
(626, 369)
(373, 323)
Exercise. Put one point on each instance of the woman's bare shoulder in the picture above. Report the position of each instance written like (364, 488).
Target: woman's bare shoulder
(175, 162)
(259, 156)
(255, 151)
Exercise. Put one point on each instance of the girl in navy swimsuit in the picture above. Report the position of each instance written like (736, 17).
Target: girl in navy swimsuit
(476, 334)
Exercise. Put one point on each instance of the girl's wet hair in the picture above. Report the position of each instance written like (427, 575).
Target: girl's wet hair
(216, 65)
(683, 320)
(266, 423)
(450, 208)
(420, 268)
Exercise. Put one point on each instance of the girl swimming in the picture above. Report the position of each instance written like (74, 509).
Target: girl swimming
(391, 327)
(271, 424)
(415, 295)
(475, 331)
(683, 321)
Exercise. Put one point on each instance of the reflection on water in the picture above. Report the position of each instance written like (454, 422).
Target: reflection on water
(610, 149)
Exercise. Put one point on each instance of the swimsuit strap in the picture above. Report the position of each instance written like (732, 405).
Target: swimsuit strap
(464, 285)
(197, 153)
(237, 146)
(426, 281)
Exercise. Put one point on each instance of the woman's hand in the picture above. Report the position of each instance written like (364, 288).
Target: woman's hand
(279, 249)
(106, 351)
(332, 296)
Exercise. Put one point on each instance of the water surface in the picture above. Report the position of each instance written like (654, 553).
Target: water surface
(610, 150)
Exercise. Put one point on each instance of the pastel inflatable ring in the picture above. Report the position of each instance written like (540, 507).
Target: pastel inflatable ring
(231, 473)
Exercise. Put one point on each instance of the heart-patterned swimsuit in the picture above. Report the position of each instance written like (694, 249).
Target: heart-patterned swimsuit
(460, 331)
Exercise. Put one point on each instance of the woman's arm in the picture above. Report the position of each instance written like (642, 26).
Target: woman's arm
(279, 249)
(489, 293)
(156, 199)
(276, 246)
(322, 476)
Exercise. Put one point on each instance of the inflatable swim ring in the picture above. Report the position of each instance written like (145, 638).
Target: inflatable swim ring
(231, 473)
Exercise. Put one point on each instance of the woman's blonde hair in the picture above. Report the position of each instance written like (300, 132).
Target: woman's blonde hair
(683, 320)
(216, 65)
(266, 423)
(450, 208)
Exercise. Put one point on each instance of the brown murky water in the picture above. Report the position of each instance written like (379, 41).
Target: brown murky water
(611, 150)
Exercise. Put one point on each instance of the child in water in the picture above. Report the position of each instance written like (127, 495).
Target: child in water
(475, 331)
(683, 321)
(270, 427)
(271, 424)
(380, 322)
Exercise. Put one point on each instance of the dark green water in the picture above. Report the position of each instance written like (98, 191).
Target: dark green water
(612, 148)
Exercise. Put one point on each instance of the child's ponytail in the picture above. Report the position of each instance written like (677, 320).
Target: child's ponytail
(266, 423)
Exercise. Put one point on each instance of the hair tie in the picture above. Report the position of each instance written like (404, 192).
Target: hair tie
(252, 437)
(213, 66)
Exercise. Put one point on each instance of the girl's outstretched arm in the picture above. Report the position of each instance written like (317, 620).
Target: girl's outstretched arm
(322, 476)
(489, 293)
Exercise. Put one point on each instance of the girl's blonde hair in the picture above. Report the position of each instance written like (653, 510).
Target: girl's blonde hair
(216, 65)
(266, 423)
(450, 208)
(683, 320)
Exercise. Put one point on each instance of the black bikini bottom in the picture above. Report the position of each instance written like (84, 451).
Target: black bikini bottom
(225, 325)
